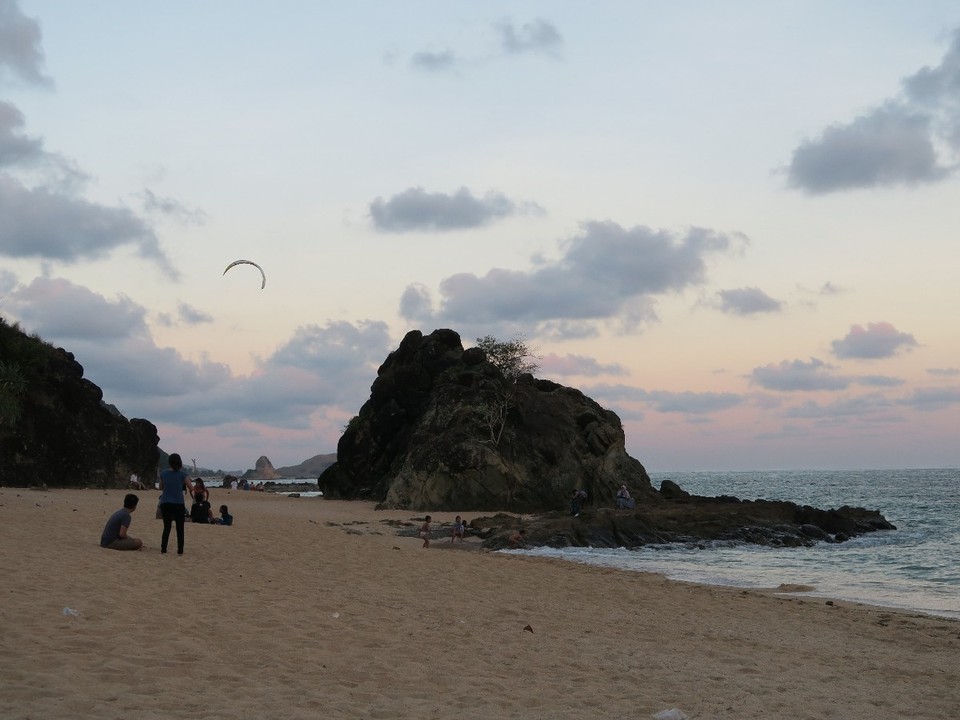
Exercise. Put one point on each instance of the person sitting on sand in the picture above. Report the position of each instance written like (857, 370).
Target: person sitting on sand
(425, 531)
(225, 517)
(200, 511)
(458, 529)
(114, 534)
(518, 539)
(200, 490)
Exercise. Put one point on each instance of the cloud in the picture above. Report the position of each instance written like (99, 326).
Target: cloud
(930, 399)
(889, 146)
(21, 53)
(173, 209)
(911, 139)
(943, 372)
(878, 340)
(845, 407)
(747, 301)
(14, 147)
(565, 365)
(43, 224)
(318, 370)
(796, 375)
(880, 381)
(56, 308)
(538, 36)
(191, 316)
(605, 271)
(415, 209)
(434, 61)
(688, 403)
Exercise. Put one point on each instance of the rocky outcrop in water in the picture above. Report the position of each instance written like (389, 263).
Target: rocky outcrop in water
(444, 429)
(687, 519)
(56, 430)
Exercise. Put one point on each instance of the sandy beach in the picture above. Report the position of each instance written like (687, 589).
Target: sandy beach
(311, 608)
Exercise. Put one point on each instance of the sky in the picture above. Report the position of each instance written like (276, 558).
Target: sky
(734, 224)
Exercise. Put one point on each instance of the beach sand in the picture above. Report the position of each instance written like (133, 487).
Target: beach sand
(311, 608)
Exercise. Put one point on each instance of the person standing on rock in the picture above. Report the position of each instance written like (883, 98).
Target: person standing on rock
(173, 483)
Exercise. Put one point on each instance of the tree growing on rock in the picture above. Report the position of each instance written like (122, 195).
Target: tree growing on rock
(512, 358)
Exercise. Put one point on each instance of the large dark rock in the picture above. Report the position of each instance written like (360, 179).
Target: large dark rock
(443, 429)
(56, 430)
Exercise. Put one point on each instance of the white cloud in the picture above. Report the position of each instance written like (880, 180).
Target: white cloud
(747, 301)
(908, 140)
(606, 272)
(538, 36)
(21, 53)
(877, 340)
(797, 375)
(416, 209)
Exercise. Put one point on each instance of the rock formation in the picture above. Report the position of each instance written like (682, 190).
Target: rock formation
(687, 519)
(443, 429)
(263, 470)
(56, 430)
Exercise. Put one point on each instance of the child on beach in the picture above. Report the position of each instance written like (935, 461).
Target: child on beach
(425, 531)
(225, 517)
(458, 530)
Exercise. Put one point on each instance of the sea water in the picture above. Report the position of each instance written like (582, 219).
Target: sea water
(915, 567)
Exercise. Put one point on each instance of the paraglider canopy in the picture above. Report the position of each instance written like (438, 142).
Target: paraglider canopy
(263, 275)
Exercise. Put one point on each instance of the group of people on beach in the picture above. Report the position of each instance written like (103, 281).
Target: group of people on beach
(459, 528)
(174, 482)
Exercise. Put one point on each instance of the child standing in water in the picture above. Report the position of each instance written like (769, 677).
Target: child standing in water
(425, 531)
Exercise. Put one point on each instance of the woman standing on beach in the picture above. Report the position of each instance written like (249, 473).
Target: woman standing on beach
(173, 483)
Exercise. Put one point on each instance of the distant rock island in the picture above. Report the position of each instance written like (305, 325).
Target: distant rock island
(309, 468)
(444, 429)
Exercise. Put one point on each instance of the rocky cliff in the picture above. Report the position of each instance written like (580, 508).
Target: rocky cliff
(55, 428)
(444, 429)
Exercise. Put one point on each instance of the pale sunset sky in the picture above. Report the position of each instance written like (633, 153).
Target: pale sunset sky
(735, 224)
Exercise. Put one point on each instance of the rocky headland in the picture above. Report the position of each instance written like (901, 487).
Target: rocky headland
(55, 429)
(445, 429)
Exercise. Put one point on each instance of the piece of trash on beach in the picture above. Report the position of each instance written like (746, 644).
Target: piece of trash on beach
(528, 628)
(335, 615)
(671, 714)
(70, 612)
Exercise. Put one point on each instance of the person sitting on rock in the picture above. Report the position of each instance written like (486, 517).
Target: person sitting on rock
(624, 501)
(518, 539)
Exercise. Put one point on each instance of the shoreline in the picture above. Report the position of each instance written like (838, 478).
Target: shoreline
(349, 619)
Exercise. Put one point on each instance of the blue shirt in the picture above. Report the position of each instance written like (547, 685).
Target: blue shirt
(111, 531)
(174, 485)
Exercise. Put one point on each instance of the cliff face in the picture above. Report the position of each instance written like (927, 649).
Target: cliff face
(443, 429)
(55, 428)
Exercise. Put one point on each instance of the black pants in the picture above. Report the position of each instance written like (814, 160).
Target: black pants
(172, 512)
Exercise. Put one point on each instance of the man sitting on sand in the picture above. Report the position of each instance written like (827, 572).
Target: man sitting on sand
(114, 534)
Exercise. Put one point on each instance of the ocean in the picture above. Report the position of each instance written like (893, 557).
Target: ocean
(915, 567)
